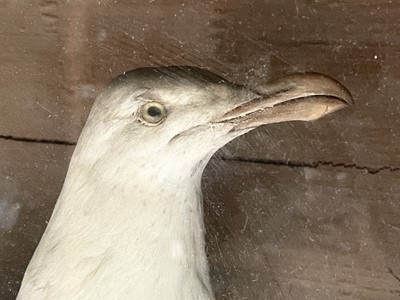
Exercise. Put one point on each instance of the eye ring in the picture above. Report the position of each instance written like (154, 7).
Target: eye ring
(152, 113)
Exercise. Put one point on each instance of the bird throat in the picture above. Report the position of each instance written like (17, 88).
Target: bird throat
(135, 236)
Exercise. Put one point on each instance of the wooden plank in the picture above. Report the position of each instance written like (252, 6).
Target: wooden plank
(56, 55)
(31, 177)
(278, 232)
(35, 97)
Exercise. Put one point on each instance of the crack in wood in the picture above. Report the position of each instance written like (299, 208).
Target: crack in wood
(291, 164)
(396, 277)
(37, 141)
(314, 165)
(391, 272)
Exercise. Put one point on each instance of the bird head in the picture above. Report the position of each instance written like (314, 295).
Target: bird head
(182, 115)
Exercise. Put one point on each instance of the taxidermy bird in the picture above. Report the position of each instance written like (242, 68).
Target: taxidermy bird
(128, 223)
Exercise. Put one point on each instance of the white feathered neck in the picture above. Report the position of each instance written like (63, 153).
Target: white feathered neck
(123, 233)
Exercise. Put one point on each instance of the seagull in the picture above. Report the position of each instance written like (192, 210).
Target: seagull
(128, 223)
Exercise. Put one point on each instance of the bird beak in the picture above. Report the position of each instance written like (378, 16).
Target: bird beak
(298, 97)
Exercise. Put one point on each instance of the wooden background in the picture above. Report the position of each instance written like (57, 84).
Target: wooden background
(293, 211)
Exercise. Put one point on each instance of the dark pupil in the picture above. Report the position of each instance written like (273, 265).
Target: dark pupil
(154, 111)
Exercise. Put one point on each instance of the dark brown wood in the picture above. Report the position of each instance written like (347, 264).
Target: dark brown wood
(31, 177)
(294, 211)
(302, 233)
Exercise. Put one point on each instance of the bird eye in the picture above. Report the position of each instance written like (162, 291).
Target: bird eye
(153, 113)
